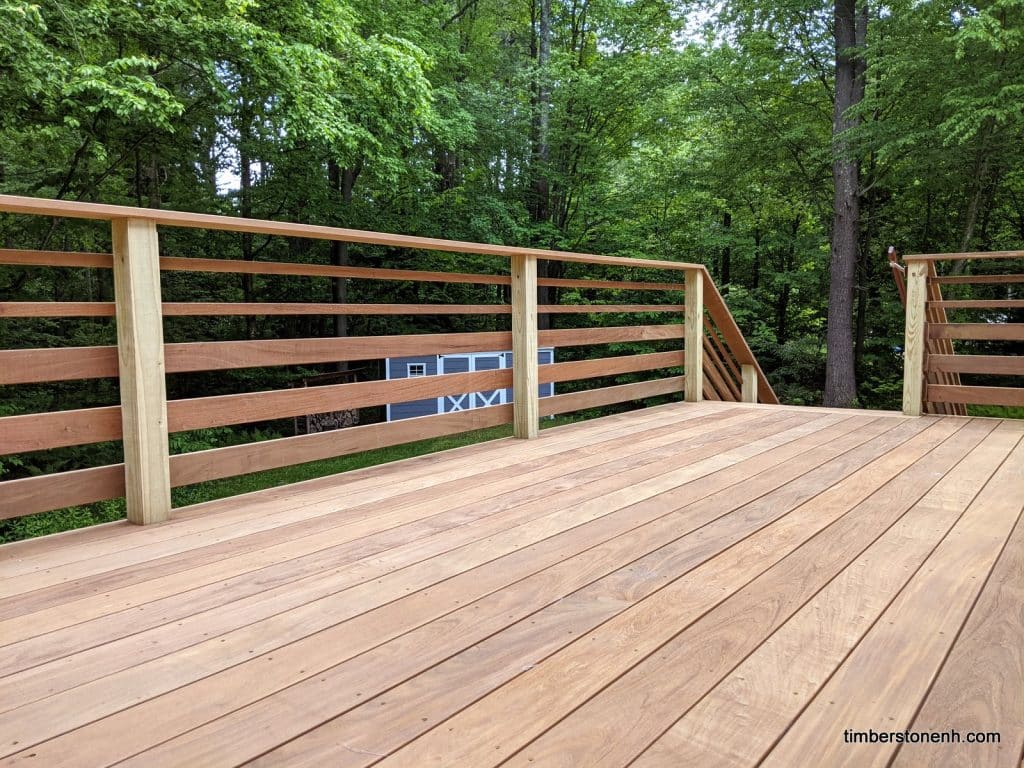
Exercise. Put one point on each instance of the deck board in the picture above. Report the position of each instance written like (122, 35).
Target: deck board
(738, 721)
(686, 585)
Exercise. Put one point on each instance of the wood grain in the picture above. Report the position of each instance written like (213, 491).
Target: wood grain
(609, 366)
(267, 309)
(979, 304)
(592, 398)
(977, 331)
(140, 351)
(994, 364)
(970, 255)
(236, 266)
(693, 346)
(525, 381)
(29, 366)
(969, 279)
(29, 495)
(981, 685)
(881, 684)
(199, 466)
(739, 720)
(1008, 396)
(914, 349)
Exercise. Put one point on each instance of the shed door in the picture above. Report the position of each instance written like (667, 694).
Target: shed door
(468, 400)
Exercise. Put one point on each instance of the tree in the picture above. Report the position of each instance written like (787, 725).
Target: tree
(850, 31)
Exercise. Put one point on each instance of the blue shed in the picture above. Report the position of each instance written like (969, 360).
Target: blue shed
(462, 362)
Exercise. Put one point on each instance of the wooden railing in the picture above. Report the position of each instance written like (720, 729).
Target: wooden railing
(932, 366)
(716, 361)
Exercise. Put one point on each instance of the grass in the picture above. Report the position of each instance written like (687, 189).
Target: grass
(996, 411)
(108, 511)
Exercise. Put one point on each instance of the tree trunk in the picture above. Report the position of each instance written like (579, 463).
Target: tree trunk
(540, 192)
(756, 275)
(725, 263)
(342, 180)
(840, 373)
(786, 291)
(245, 208)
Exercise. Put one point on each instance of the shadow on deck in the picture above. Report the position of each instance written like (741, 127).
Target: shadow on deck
(695, 584)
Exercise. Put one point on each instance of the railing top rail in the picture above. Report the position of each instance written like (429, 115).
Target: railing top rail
(103, 212)
(959, 256)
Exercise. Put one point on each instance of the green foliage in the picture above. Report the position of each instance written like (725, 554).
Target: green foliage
(703, 139)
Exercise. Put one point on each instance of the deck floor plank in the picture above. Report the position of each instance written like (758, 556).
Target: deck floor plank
(882, 683)
(563, 682)
(371, 729)
(633, 711)
(334, 689)
(981, 686)
(744, 715)
(686, 585)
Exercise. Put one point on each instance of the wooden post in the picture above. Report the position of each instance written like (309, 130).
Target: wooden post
(749, 373)
(140, 347)
(914, 341)
(694, 336)
(525, 377)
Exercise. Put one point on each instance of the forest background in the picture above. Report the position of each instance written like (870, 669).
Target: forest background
(784, 144)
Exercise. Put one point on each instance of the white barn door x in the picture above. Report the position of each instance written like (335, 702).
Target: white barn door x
(465, 364)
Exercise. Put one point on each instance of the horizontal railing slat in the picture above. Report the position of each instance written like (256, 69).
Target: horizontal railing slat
(224, 410)
(31, 495)
(988, 255)
(992, 364)
(593, 398)
(227, 309)
(946, 393)
(978, 304)
(237, 266)
(58, 429)
(25, 366)
(977, 331)
(624, 285)
(217, 463)
(979, 279)
(608, 366)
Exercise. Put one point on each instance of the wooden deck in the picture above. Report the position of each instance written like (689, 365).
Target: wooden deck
(703, 584)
